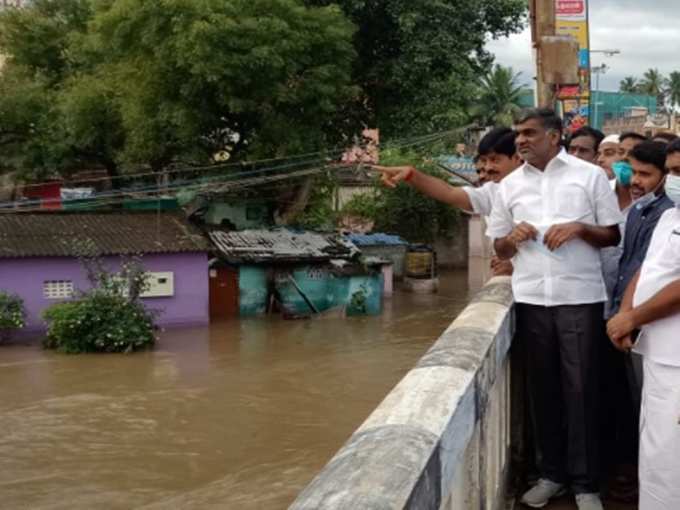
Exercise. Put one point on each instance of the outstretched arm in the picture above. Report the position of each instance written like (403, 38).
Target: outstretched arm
(431, 186)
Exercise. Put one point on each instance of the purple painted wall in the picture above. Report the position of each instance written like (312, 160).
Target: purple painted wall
(189, 306)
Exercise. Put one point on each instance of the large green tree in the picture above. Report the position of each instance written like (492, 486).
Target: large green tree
(419, 60)
(132, 82)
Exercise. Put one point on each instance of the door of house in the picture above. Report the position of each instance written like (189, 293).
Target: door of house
(223, 293)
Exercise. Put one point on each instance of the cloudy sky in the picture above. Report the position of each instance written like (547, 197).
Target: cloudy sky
(646, 31)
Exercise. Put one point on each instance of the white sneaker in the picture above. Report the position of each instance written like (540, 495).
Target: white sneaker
(539, 495)
(589, 501)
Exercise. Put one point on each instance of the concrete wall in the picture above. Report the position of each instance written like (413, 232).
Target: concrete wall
(441, 438)
(480, 251)
(452, 250)
(242, 216)
(395, 253)
(189, 305)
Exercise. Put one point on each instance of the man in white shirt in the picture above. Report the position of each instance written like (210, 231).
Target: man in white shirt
(497, 150)
(551, 216)
(652, 303)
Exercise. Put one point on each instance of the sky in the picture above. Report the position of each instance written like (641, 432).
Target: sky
(647, 32)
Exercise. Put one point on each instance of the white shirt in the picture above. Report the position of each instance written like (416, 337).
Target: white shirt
(482, 198)
(568, 190)
(660, 340)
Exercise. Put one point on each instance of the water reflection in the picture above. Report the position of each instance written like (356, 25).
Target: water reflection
(240, 415)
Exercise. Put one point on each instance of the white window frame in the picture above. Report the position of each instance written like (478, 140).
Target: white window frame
(159, 290)
(58, 289)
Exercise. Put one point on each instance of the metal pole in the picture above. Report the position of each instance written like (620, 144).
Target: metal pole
(597, 97)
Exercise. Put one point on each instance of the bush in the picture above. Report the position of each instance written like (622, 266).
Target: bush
(12, 314)
(108, 318)
(99, 322)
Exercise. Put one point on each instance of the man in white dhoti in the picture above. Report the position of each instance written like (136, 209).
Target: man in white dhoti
(652, 305)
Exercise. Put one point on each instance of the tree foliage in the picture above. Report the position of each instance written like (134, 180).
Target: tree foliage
(132, 82)
(674, 89)
(500, 93)
(666, 90)
(629, 85)
(419, 60)
(654, 84)
(12, 314)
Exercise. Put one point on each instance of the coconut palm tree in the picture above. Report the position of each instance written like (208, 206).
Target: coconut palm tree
(674, 89)
(499, 97)
(629, 85)
(654, 84)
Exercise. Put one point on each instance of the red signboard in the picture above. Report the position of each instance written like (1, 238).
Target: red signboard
(571, 7)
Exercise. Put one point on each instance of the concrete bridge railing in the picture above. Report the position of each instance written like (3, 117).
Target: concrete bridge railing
(441, 438)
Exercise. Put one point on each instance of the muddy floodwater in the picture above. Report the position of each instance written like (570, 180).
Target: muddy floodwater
(239, 415)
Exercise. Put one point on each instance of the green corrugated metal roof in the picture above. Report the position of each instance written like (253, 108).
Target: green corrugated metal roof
(614, 105)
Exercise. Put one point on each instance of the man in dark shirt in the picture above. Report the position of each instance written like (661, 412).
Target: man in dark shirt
(649, 173)
(648, 160)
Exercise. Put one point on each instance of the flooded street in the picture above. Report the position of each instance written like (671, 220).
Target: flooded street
(241, 415)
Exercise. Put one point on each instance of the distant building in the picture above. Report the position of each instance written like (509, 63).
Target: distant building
(527, 98)
(39, 260)
(616, 108)
(645, 124)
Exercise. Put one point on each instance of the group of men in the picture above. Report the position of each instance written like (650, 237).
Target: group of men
(589, 228)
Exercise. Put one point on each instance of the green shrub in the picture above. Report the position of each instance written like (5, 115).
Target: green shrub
(99, 322)
(108, 318)
(12, 314)
(364, 205)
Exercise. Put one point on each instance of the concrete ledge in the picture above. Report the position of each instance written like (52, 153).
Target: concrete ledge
(409, 450)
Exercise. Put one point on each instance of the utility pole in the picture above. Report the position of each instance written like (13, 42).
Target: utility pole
(597, 71)
(542, 25)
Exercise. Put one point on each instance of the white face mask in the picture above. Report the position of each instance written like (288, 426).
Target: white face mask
(647, 199)
(673, 188)
(612, 184)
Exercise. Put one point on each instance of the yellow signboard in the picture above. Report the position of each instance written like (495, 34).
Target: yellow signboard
(572, 19)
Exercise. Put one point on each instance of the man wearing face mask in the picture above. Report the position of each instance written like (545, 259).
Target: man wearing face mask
(607, 158)
(648, 163)
(617, 425)
(652, 305)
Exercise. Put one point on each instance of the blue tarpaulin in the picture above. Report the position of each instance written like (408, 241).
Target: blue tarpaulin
(375, 239)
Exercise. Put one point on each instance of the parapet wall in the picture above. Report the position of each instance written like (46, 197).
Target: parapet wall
(441, 437)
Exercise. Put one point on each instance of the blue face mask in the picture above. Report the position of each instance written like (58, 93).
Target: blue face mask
(623, 171)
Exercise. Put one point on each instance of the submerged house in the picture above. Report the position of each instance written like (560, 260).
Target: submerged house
(39, 259)
(298, 273)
